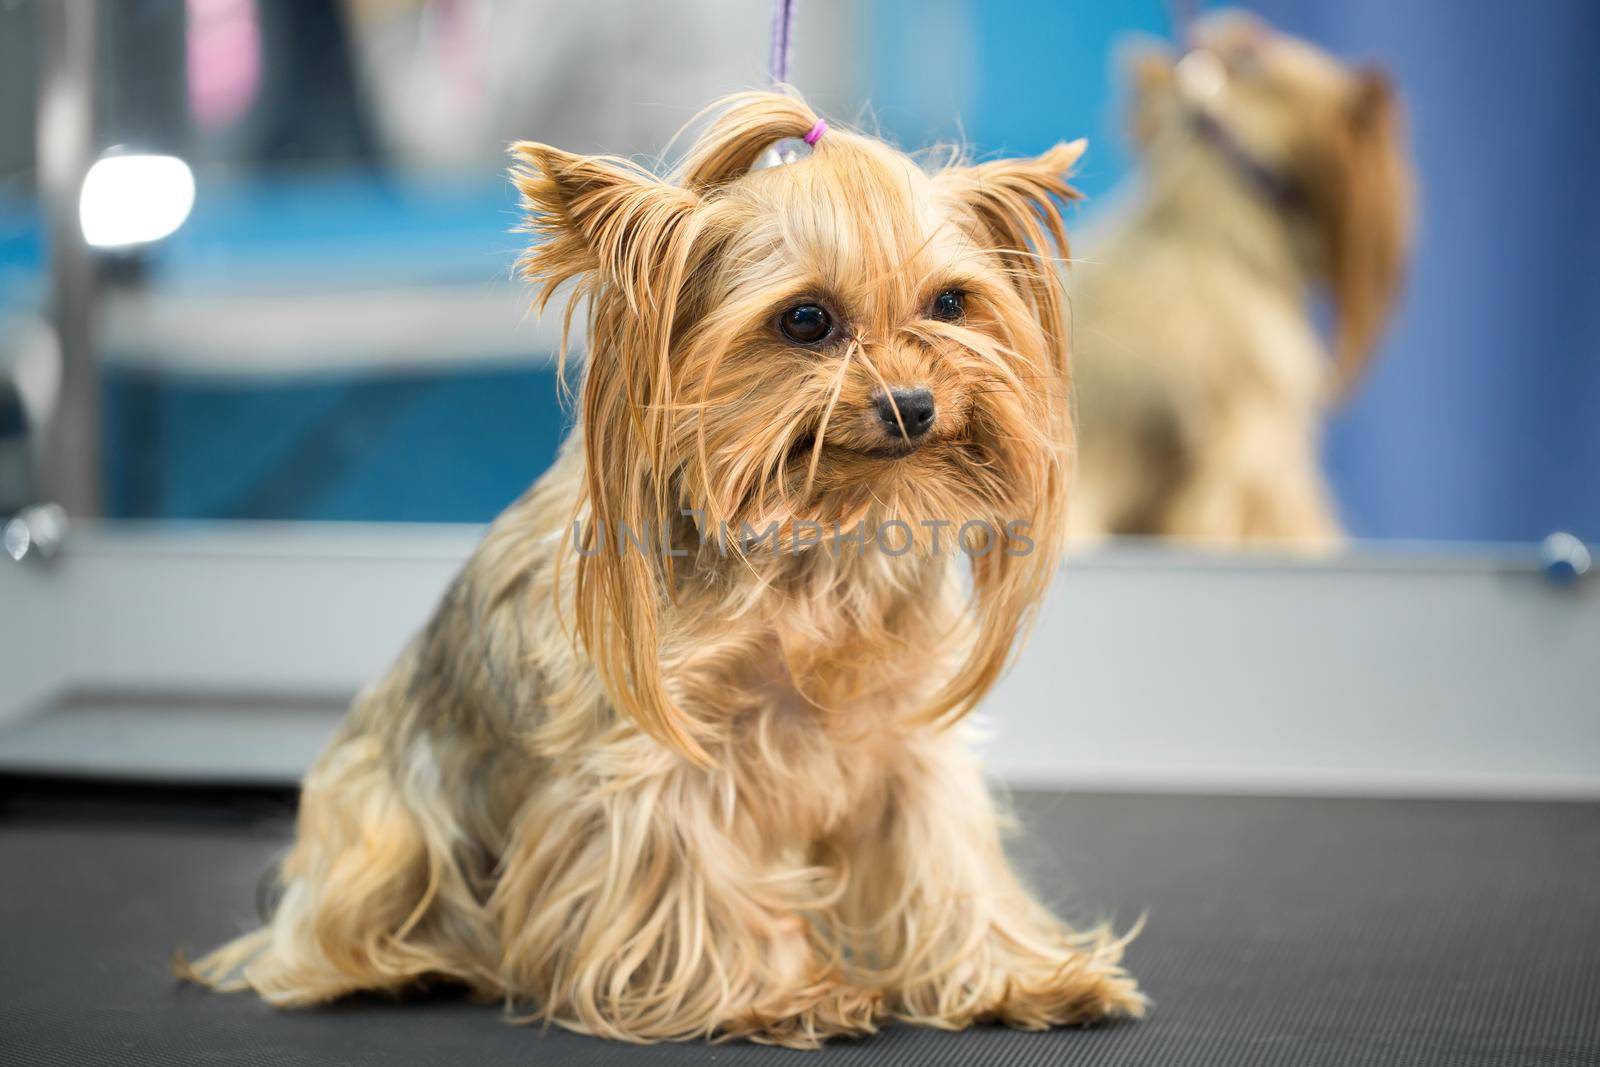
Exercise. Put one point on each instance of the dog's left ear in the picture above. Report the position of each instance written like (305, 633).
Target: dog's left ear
(1013, 207)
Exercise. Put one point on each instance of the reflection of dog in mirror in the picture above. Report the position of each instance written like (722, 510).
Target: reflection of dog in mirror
(694, 786)
(1271, 174)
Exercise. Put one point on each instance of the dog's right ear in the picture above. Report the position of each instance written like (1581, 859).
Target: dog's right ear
(628, 241)
(599, 216)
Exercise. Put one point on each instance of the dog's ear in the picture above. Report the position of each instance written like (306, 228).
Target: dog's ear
(596, 217)
(628, 241)
(1150, 68)
(1013, 207)
(1365, 206)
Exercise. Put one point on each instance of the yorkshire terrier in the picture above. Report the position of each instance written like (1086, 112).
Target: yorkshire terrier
(678, 754)
(1272, 175)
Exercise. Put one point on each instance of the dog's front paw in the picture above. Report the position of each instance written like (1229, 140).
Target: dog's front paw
(1070, 985)
(807, 1019)
(1069, 998)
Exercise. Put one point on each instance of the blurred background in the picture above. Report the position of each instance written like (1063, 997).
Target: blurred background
(331, 330)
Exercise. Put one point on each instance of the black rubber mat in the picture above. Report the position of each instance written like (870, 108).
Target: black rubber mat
(1298, 932)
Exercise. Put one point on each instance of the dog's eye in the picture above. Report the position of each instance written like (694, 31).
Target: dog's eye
(805, 324)
(950, 306)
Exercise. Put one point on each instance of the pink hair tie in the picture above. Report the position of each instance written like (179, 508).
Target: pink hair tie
(815, 133)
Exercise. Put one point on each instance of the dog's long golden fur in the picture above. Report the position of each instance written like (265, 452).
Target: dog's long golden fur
(1271, 174)
(715, 789)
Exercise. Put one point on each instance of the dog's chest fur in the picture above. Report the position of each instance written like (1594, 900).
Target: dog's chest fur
(809, 695)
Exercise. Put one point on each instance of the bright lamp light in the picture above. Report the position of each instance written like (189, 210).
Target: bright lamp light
(129, 200)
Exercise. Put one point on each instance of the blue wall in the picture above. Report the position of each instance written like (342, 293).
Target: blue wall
(406, 447)
(1483, 418)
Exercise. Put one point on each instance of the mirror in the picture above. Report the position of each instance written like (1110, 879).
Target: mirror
(1308, 305)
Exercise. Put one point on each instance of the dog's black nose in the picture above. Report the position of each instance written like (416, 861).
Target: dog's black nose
(915, 407)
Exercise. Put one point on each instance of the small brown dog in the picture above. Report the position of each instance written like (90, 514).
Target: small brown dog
(665, 764)
(1270, 174)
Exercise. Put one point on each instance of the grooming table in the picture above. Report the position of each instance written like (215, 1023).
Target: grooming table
(1280, 931)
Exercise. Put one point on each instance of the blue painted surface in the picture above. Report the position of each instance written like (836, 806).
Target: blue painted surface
(1482, 419)
(452, 447)
(21, 253)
